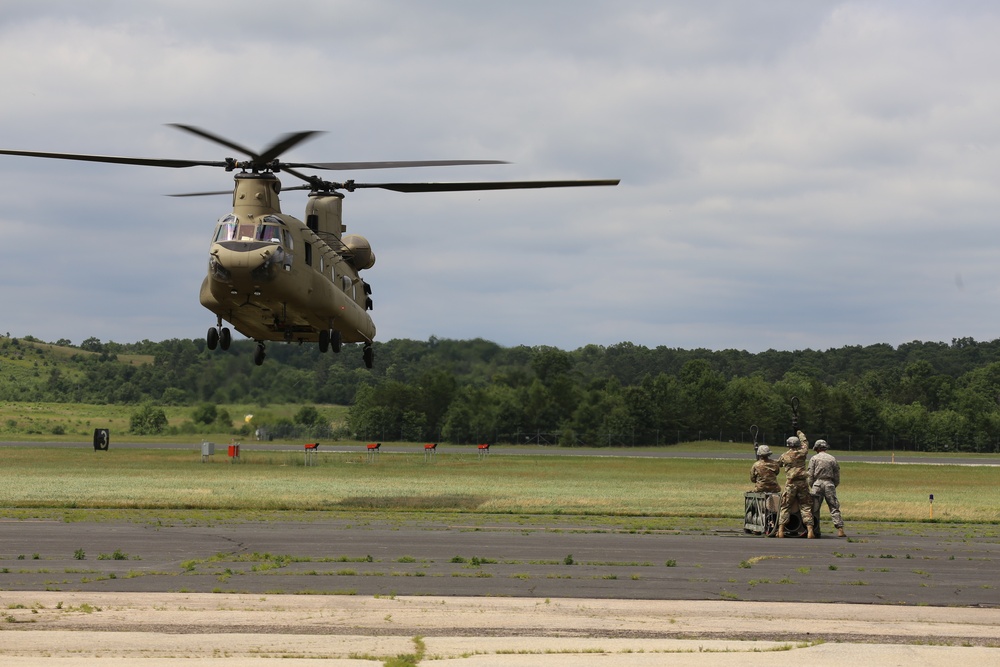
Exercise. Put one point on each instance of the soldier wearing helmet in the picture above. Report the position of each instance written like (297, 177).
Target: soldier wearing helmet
(796, 484)
(764, 473)
(824, 478)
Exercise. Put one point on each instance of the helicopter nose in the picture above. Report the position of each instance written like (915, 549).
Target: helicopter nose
(242, 256)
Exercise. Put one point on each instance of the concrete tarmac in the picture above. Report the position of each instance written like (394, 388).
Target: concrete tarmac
(350, 590)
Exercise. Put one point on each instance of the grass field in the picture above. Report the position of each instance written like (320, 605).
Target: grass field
(457, 481)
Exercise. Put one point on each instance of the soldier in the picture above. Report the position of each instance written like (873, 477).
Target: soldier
(796, 484)
(764, 473)
(824, 478)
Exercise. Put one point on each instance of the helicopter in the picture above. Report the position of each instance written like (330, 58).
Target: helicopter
(276, 278)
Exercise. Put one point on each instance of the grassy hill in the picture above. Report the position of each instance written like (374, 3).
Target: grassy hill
(38, 381)
(28, 367)
(57, 352)
(75, 422)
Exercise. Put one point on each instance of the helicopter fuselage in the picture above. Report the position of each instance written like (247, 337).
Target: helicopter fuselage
(276, 278)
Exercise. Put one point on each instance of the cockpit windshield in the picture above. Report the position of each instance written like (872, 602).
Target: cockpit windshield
(230, 228)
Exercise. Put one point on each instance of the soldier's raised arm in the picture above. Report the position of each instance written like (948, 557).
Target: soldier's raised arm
(803, 439)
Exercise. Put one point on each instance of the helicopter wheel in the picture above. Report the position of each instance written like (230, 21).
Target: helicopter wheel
(324, 340)
(212, 339)
(336, 340)
(225, 338)
(258, 354)
(369, 356)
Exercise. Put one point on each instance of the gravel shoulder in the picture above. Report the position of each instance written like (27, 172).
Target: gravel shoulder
(45, 628)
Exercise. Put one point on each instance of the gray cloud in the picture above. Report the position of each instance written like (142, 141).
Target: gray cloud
(794, 174)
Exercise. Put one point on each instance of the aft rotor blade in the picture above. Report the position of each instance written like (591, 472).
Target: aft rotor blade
(392, 164)
(113, 159)
(313, 180)
(481, 185)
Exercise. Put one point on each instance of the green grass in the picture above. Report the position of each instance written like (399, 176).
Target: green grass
(458, 482)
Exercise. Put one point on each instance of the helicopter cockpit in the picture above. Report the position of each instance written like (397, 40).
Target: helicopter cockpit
(271, 230)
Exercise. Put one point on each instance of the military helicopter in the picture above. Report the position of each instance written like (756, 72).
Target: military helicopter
(276, 278)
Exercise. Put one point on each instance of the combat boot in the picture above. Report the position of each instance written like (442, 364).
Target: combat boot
(840, 532)
(811, 535)
(781, 531)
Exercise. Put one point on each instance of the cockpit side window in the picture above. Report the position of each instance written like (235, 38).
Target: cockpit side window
(269, 233)
(273, 230)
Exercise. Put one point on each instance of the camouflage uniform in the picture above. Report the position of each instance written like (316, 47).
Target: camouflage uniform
(796, 483)
(764, 476)
(824, 475)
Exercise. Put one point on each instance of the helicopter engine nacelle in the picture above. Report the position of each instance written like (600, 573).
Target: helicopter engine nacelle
(362, 256)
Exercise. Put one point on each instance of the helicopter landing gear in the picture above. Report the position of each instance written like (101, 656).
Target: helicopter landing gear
(219, 337)
(330, 339)
(258, 353)
(368, 355)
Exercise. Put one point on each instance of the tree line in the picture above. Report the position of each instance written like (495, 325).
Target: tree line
(920, 395)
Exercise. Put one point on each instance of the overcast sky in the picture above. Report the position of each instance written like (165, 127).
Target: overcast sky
(794, 174)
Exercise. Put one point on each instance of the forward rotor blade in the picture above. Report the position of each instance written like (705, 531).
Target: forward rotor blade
(113, 159)
(285, 143)
(230, 191)
(205, 134)
(392, 164)
(203, 194)
(482, 185)
(351, 186)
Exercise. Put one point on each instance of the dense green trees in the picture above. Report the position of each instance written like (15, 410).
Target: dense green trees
(933, 396)
(148, 420)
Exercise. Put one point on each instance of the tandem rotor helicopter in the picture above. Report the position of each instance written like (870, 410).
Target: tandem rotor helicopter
(276, 278)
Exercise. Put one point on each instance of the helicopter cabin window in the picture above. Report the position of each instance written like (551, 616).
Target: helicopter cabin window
(309, 253)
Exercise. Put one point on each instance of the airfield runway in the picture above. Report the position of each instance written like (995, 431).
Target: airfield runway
(492, 593)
